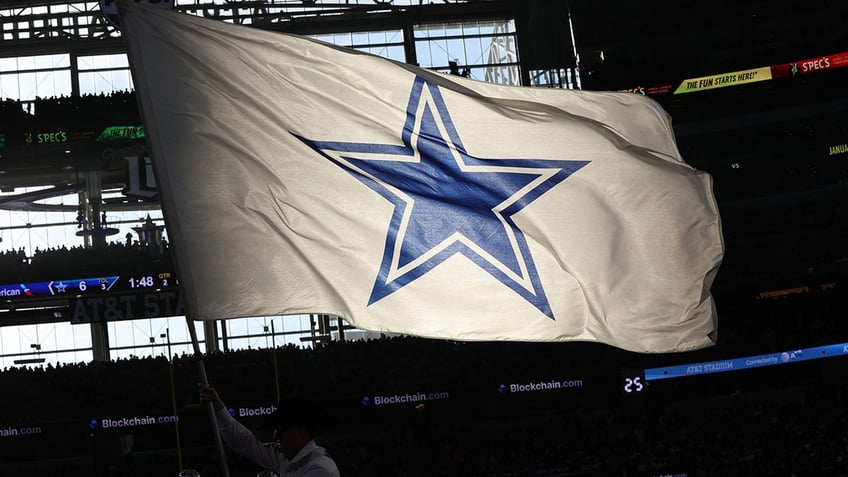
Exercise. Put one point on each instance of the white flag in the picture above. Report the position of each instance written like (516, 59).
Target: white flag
(300, 177)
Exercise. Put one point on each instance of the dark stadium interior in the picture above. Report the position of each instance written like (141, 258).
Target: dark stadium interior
(781, 184)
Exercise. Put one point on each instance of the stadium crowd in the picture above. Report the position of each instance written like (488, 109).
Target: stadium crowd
(780, 421)
(62, 262)
(42, 115)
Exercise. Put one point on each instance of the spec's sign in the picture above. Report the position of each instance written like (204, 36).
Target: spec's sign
(126, 306)
(110, 9)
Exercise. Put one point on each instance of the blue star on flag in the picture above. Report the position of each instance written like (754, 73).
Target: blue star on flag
(448, 202)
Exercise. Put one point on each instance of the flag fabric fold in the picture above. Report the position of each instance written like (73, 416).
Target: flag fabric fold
(300, 177)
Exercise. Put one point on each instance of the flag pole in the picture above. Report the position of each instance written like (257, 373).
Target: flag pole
(136, 61)
(274, 357)
(210, 409)
(174, 400)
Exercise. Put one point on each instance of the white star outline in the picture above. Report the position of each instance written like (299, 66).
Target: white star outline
(409, 152)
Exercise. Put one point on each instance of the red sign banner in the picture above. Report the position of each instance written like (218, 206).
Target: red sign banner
(811, 65)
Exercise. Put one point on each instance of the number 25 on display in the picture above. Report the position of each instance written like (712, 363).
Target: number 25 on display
(633, 384)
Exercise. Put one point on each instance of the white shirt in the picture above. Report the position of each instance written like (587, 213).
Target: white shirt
(311, 461)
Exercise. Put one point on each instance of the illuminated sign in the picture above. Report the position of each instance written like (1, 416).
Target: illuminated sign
(121, 132)
(633, 383)
(649, 90)
(65, 136)
(783, 292)
(637, 90)
(735, 364)
(810, 65)
(540, 386)
(89, 286)
(724, 79)
(791, 291)
(51, 288)
(837, 149)
(20, 431)
(46, 137)
(403, 398)
(137, 421)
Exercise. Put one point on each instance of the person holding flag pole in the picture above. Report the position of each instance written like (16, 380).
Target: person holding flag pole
(293, 451)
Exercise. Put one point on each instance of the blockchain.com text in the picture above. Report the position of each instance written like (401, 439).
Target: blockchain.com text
(404, 398)
(544, 385)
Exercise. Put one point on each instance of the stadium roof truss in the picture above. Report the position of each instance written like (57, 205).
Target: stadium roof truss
(75, 32)
(43, 27)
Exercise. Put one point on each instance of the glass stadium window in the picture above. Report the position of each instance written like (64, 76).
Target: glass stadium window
(392, 52)
(29, 230)
(152, 337)
(104, 74)
(388, 44)
(482, 50)
(248, 333)
(255, 333)
(53, 342)
(100, 62)
(29, 77)
(55, 224)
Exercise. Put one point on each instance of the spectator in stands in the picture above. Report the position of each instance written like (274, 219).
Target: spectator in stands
(293, 451)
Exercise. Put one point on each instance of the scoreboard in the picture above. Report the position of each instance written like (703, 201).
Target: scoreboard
(77, 287)
(99, 298)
